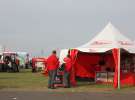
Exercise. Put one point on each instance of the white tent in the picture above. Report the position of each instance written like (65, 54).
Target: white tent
(108, 39)
(23, 57)
(1, 49)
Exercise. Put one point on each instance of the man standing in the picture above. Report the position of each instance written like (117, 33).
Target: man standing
(67, 71)
(52, 65)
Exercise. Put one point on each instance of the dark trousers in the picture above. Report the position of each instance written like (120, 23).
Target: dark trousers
(15, 67)
(66, 79)
(52, 76)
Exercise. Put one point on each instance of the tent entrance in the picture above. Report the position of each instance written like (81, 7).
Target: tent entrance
(88, 65)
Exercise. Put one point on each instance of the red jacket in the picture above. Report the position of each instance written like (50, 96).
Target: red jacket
(17, 61)
(52, 62)
(68, 64)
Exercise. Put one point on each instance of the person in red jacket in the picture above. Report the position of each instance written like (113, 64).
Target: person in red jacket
(52, 65)
(67, 71)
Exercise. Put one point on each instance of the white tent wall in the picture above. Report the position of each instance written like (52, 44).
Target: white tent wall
(1, 49)
(63, 54)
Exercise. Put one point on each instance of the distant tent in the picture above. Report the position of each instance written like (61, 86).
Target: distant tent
(23, 58)
(1, 49)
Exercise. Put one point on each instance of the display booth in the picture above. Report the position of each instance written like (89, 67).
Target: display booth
(107, 58)
(38, 64)
(97, 66)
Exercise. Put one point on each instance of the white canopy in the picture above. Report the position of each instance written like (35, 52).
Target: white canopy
(107, 39)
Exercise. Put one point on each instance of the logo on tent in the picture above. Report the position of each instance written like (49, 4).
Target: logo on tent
(101, 42)
(124, 43)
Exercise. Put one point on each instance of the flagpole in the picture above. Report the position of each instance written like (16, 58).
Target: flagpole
(119, 68)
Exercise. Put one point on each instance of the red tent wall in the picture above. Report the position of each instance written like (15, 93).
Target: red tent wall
(85, 65)
(73, 54)
(127, 78)
(115, 55)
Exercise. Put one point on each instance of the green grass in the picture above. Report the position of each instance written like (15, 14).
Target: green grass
(26, 80)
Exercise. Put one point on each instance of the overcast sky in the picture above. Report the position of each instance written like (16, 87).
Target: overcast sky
(38, 26)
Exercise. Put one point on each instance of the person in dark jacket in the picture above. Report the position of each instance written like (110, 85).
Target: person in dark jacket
(52, 65)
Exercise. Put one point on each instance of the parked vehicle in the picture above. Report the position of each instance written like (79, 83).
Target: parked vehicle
(10, 62)
(38, 64)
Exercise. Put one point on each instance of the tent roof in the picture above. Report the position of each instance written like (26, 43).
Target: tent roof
(107, 39)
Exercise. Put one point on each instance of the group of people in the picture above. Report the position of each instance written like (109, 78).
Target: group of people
(52, 67)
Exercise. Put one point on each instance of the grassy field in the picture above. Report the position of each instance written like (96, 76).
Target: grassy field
(23, 80)
(26, 80)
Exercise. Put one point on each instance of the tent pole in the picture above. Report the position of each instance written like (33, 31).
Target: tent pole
(119, 68)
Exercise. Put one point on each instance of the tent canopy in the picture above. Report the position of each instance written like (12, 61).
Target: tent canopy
(109, 38)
